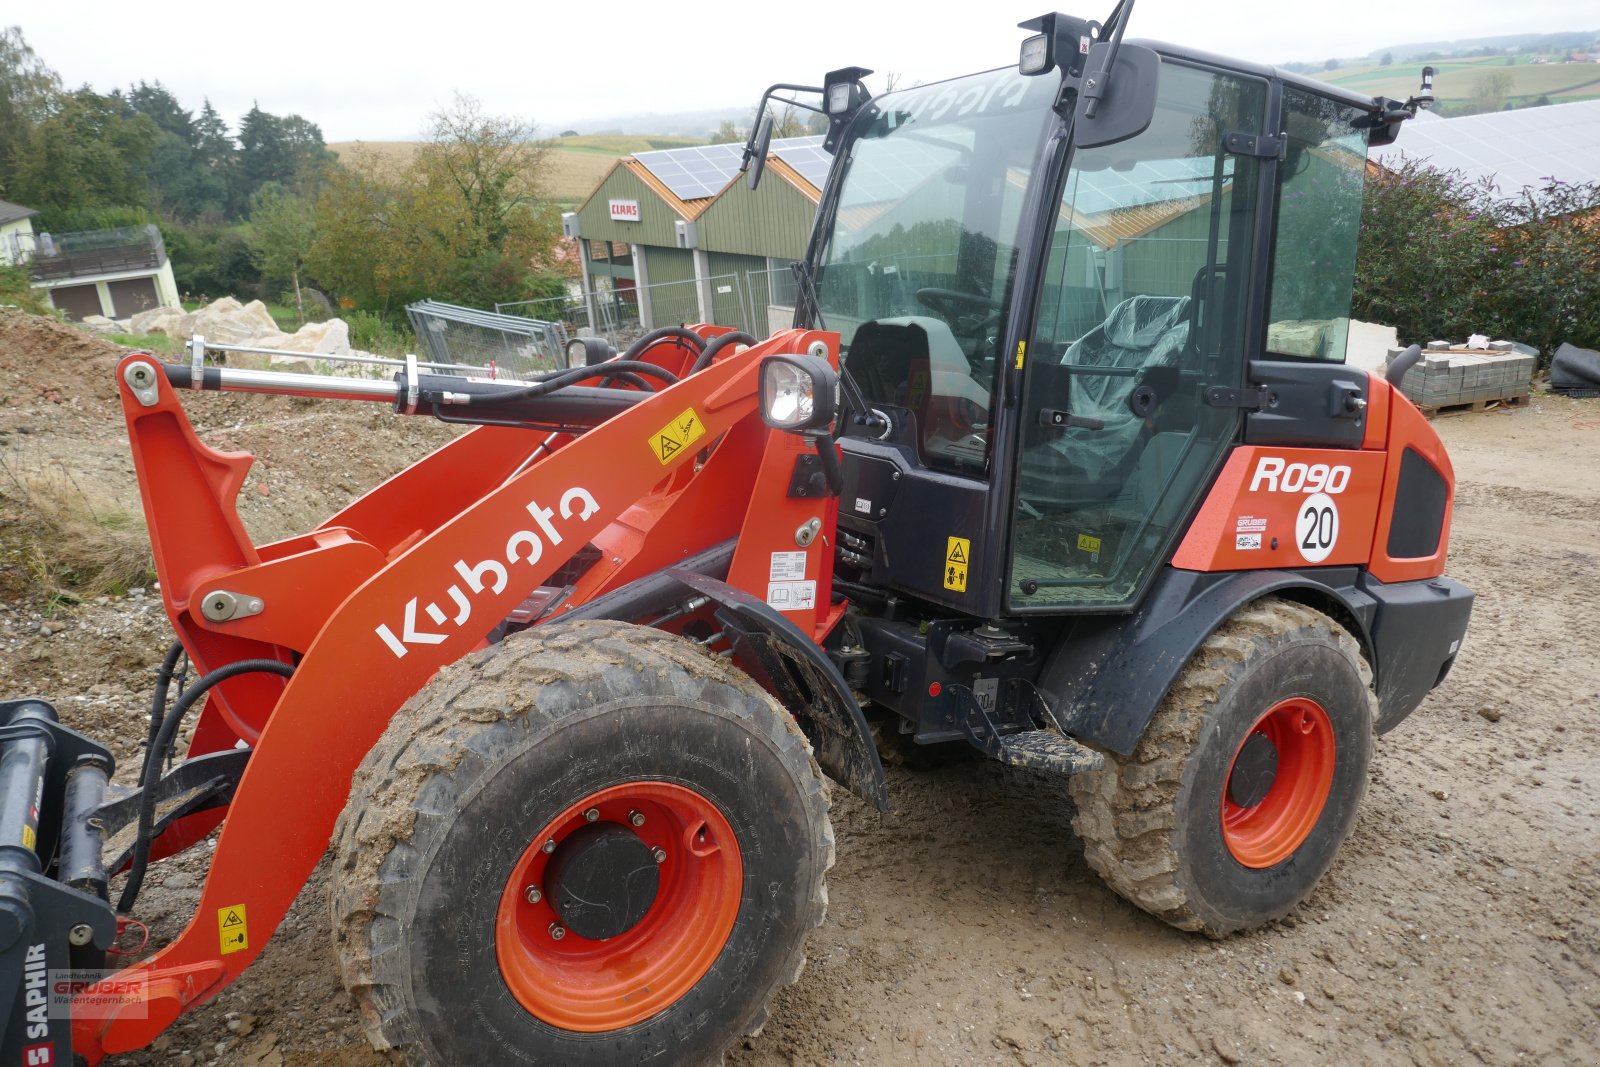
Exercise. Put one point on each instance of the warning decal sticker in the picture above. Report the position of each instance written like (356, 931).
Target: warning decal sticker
(232, 931)
(668, 442)
(956, 558)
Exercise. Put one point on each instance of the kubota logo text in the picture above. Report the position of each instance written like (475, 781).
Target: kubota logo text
(524, 546)
(1280, 476)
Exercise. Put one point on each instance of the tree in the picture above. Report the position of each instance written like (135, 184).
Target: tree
(465, 220)
(282, 229)
(1388, 58)
(28, 89)
(163, 109)
(89, 151)
(1489, 92)
(1332, 64)
(727, 133)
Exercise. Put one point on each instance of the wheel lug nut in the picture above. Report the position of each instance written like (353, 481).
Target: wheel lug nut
(550, 845)
(636, 818)
(557, 931)
(659, 853)
(533, 894)
(591, 815)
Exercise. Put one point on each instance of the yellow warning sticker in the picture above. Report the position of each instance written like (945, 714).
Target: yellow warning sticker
(670, 441)
(1088, 544)
(232, 931)
(1022, 353)
(29, 837)
(956, 558)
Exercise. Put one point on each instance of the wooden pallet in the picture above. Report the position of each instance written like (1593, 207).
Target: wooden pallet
(1441, 411)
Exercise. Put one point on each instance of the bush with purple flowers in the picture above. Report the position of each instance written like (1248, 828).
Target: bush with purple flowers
(1444, 257)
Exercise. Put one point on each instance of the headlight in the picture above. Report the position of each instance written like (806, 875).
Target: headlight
(798, 393)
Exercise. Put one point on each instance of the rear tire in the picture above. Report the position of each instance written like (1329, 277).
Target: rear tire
(1180, 829)
(449, 960)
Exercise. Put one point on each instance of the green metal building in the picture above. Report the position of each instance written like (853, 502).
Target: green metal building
(677, 236)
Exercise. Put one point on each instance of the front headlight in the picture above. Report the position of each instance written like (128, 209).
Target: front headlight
(798, 393)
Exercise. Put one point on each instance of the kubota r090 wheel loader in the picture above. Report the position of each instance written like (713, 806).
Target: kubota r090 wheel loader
(1061, 461)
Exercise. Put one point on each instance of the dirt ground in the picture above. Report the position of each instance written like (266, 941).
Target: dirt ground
(1458, 926)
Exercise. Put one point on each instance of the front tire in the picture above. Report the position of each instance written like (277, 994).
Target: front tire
(607, 781)
(1247, 780)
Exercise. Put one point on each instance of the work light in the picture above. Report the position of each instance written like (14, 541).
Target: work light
(798, 393)
(1035, 55)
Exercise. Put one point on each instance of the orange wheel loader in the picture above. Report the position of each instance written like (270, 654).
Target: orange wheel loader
(1061, 462)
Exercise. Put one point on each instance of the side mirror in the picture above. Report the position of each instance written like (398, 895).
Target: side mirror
(1126, 99)
(755, 153)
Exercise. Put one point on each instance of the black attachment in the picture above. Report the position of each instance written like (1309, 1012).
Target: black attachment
(46, 927)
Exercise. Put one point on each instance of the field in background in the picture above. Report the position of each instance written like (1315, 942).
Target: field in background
(1561, 82)
(576, 163)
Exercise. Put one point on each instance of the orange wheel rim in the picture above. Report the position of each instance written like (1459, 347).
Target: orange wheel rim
(1267, 831)
(591, 986)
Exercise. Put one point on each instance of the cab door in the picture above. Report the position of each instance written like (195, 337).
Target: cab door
(1141, 313)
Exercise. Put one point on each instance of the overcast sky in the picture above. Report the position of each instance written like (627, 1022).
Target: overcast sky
(375, 72)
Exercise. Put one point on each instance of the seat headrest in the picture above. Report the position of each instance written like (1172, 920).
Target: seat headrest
(1139, 321)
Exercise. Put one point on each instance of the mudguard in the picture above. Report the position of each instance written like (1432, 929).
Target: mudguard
(1108, 674)
(774, 652)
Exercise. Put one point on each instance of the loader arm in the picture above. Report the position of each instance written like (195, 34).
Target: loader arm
(677, 472)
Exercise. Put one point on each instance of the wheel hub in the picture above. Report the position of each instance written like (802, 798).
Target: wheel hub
(601, 880)
(1254, 770)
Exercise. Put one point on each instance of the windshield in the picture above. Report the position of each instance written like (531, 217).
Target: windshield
(916, 270)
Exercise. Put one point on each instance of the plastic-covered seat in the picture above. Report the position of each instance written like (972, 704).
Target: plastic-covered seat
(1140, 333)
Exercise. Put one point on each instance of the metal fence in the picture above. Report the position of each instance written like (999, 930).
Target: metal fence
(773, 296)
(512, 345)
(623, 314)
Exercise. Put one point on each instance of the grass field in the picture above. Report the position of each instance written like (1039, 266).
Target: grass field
(1455, 79)
(576, 163)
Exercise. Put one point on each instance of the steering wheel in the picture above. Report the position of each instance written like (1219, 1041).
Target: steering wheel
(953, 303)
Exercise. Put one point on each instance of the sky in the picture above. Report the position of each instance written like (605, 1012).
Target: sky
(371, 72)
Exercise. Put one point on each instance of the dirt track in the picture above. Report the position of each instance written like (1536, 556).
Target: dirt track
(1459, 925)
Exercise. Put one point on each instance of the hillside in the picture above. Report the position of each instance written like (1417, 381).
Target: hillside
(1456, 80)
(576, 163)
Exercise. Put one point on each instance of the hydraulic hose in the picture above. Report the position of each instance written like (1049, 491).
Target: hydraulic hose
(688, 337)
(611, 368)
(737, 337)
(161, 741)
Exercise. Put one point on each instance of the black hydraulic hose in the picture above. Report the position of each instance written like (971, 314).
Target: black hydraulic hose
(628, 378)
(153, 758)
(572, 377)
(688, 337)
(737, 337)
(158, 700)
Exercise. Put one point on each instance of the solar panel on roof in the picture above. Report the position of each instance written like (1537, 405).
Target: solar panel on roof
(699, 171)
(1516, 149)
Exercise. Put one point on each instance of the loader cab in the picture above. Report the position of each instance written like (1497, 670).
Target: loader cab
(1055, 339)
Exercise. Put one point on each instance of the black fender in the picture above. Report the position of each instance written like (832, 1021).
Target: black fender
(1109, 673)
(773, 651)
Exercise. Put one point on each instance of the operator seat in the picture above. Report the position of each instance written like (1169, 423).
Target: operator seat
(915, 362)
(1141, 334)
